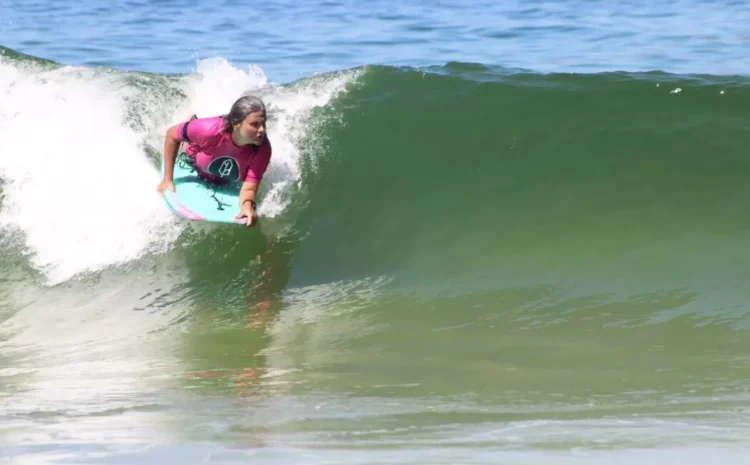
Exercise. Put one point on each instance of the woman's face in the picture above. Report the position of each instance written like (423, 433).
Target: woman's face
(252, 130)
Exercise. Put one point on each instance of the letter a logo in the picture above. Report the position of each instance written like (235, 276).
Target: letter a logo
(225, 167)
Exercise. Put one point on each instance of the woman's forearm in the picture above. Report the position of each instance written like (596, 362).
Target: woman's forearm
(171, 145)
(247, 195)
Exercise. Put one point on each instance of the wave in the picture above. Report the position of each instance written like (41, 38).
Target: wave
(442, 180)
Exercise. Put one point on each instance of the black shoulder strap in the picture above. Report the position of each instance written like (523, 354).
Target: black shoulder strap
(184, 131)
(185, 128)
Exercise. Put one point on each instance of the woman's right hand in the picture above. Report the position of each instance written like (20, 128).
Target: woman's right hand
(164, 185)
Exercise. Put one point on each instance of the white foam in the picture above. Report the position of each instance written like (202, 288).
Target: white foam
(76, 181)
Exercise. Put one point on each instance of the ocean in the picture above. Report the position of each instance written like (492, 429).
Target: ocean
(491, 233)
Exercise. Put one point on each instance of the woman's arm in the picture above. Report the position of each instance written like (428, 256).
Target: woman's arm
(253, 177)
(171, 145)
(247, 202)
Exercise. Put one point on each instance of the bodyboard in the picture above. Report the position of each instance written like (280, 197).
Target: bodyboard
(198, 199)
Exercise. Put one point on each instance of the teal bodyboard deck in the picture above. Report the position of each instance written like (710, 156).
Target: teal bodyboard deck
(200, 200)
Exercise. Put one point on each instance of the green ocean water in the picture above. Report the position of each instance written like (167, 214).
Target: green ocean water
(455, 264)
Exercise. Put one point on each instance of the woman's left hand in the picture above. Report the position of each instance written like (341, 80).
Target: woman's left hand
(248, 212)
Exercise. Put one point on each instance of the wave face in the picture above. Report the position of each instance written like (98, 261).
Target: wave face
(470, 176)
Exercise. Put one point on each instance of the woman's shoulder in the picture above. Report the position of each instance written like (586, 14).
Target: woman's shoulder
(265, 145)
(213, 125)
(263, 149)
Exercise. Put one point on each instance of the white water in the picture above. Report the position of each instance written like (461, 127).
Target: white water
(75, 179)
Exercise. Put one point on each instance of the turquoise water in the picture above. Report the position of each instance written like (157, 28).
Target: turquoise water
(489, 234)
